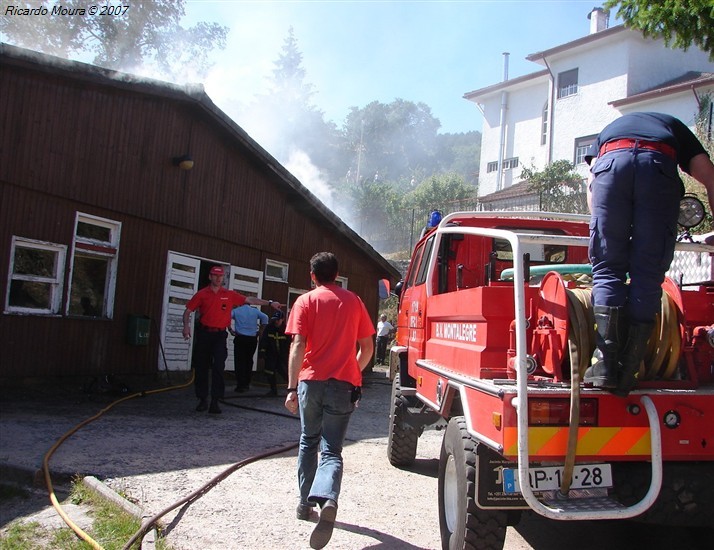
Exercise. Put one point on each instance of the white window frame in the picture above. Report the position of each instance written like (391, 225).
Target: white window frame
(568, 89)
(56, 283)
(510, 163)
(544, 124)
(100, 249)
(582, 146)
(282, 266)
(342, 281)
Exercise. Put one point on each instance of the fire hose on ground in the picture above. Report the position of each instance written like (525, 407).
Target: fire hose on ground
(151, 522)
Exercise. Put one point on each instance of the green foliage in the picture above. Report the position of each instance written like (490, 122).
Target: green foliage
(460, 153)
(389, 141)
(680, 23)
(147, 32)
(691, 185)
(559, 187)
(373, 203)
(21, 536)
(288, 114)
(438, 191)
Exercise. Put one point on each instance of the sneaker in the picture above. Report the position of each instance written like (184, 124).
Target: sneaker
(322, 532)
(214, 408)
(303, 511)
(202, 405)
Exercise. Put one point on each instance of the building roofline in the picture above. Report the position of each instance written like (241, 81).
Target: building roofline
(535, 57)
(679, 85)
(505, 84)
(192, 94)
(519, 189)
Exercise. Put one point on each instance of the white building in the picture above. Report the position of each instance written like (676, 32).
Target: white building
(557, 112)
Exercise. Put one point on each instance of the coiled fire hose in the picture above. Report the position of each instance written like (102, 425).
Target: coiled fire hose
(662, 356)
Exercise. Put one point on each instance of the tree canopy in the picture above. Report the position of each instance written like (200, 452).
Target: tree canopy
(680, 23)
(559, 187)
(146, 32)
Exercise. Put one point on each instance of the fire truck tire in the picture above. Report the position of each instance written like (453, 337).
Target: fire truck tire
(403, 437)
(463, 525)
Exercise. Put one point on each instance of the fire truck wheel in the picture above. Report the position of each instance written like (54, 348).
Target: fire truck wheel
(403, 437)
(463, 524)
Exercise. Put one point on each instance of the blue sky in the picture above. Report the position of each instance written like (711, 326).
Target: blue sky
(355, 52)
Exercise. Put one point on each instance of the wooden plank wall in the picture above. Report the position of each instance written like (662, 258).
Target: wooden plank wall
(69, 145)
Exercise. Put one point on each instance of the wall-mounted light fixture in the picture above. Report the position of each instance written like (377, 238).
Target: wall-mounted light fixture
(185, 162)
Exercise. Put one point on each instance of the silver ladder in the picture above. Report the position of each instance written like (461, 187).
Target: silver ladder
(588, 508)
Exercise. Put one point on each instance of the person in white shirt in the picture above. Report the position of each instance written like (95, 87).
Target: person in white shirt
(384, 336)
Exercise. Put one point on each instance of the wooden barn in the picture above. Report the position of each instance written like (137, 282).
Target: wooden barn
(117, 195)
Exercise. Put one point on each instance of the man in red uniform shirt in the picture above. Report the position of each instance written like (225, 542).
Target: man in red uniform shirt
(214, 304)
(328, 324)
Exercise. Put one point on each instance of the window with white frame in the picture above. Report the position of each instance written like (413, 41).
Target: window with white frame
(276, 271)
(511, 163)
(567, 83)
(341, 281)
(35, 278)
(582, 146)
(544, 125)
(508, 164)
(95, 257)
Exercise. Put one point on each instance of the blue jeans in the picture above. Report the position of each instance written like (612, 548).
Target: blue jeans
(325, 410)
(633, 229)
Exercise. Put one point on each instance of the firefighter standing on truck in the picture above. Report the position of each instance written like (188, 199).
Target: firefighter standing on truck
(634, 192)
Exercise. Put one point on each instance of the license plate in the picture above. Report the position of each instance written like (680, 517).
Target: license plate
(549, 478)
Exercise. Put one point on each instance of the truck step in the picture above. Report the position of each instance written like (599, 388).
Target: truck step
(587, 504)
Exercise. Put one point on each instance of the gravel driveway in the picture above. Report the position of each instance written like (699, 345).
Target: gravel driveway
(157, 450)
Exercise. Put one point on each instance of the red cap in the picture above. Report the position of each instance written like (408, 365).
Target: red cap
(217, 270)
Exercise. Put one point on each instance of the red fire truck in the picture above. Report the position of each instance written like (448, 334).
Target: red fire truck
(495, 330)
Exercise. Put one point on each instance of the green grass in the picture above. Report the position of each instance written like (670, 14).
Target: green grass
(112, 527)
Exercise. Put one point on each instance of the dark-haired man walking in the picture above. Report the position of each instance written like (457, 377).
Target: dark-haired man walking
(324, 381)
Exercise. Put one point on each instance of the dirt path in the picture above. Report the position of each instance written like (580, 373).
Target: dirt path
(157, 450)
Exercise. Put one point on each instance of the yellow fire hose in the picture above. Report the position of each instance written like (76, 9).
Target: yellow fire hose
(663, 349)
(148, 524)
(46, 461)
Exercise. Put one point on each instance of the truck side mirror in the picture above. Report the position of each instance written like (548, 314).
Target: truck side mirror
(398, 288)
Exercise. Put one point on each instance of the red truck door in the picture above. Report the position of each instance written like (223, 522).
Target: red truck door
(412, 307)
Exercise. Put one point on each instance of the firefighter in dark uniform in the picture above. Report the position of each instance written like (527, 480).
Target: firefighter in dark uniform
(633, 194)
(214, 304)
(274, 350)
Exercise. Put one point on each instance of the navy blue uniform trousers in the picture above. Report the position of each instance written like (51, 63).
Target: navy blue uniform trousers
(210, 356)
(633, 229)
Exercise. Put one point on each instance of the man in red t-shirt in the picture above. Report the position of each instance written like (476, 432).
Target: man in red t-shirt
(214, 304)
(327, 324)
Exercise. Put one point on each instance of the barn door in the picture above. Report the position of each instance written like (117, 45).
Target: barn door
(248, 282)
(182, 274)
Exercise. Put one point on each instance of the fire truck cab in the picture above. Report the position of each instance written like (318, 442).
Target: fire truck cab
(495, 330)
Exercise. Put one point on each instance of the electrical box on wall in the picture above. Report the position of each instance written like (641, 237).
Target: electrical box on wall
(137, 333)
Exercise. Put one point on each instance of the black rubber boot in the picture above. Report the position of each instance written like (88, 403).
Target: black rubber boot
(632, 356)
(610, 322)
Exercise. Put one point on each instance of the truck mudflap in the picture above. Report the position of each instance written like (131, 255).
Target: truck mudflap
(685, 499)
